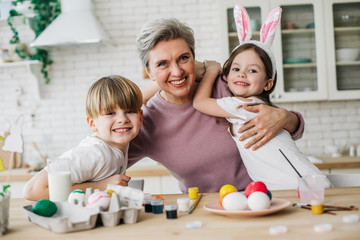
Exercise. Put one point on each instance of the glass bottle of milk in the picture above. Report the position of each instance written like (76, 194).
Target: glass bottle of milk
(59, 179)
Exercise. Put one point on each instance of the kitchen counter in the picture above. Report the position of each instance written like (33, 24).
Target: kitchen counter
(300, 222)
(22, 174)
(339, 162)
(344, 162)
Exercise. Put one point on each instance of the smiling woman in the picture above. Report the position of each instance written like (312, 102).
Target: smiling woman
(194, 147)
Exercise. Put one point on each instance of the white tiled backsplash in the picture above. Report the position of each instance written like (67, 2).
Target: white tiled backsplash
(58, 122)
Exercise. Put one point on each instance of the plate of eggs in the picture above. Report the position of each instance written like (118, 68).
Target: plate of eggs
(255, 201)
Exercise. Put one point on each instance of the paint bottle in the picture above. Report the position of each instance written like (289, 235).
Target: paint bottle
(183, 204)
(171, 211)
(317, 206)
(147, 204)
(193, 192)
(157, 206)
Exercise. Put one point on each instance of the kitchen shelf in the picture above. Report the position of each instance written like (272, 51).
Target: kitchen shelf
(346, 29)
(234, 34)
(300, 65)
(352, 63)
(298, 31)
(34, 66)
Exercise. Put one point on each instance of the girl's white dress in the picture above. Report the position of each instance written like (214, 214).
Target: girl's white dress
(267, 164)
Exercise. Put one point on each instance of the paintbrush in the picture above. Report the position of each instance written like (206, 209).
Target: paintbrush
(195, 203)
(301, 177)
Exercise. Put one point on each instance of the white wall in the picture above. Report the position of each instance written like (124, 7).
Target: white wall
(59, 117)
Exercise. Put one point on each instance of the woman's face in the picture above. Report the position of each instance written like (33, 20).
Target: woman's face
(172, 66)
(247, 75)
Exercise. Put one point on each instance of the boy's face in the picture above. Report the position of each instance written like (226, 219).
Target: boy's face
(117, 128)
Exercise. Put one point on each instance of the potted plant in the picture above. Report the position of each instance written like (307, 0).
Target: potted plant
(44, 12)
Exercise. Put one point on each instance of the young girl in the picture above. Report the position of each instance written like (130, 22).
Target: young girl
(250, 73)
(113, 109)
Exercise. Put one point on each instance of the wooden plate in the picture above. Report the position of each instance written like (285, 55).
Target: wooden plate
(277, 205)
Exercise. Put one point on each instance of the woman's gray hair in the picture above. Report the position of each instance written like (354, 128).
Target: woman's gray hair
(163, 29)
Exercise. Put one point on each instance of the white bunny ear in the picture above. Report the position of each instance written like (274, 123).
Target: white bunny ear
(242, 22)
(267, 32)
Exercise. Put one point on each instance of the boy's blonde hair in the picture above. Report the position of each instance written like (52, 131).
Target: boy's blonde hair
(109, 92)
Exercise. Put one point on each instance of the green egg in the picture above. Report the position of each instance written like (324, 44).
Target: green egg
(45, 208)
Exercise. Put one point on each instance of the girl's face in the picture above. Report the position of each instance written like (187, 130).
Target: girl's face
(117, 128)
(247, 75)
(172, 66)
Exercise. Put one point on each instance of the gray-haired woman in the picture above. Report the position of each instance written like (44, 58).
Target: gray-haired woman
(194, 147)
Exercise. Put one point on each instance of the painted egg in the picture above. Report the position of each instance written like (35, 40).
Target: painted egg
(45, 208)
(99, 200)
(77, 198)
(234, 201)
(227, 189)
(269, 194)
(258, 201)
(256, 186)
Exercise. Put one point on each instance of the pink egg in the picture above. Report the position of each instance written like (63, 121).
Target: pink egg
(234, 201)
(258, 201)
(99, 200)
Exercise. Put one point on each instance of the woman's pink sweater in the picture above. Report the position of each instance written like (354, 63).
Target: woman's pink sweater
(196, 148)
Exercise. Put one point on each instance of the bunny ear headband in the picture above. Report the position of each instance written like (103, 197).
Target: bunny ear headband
(267, 32)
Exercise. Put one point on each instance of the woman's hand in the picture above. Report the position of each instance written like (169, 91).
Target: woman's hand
(267, 124)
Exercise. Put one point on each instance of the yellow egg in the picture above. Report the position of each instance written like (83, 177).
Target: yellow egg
(227, 189)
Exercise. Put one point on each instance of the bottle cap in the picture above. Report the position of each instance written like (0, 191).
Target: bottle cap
(193, 192)
(170, 207)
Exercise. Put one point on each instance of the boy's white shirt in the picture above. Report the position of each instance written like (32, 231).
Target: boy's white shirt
(267, 164)
(94, 160)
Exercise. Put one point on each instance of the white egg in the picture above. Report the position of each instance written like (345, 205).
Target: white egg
(99, 200)
(234, 201)
(258, 201)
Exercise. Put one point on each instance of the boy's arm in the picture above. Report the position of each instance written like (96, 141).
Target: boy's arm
(37, 187)
(117, 179)
(203, 101)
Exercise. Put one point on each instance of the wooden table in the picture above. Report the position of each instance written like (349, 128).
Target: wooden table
(300, 222)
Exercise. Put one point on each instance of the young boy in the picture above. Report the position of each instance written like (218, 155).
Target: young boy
(113, 109)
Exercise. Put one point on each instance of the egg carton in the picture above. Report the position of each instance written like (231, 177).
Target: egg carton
(68, 218)
(125, 205)
(4, 212)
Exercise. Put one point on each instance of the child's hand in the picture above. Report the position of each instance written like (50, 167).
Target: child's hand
(118, 179)
(212, 66)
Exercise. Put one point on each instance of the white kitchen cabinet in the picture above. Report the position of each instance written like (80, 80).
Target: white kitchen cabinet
(305, 54)
(342, 31)
(300, 52)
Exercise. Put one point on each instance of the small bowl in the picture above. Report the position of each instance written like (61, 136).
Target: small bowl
(347, 54)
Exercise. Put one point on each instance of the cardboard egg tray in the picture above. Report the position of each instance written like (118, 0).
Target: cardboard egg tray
(124, 205)
(68, 218)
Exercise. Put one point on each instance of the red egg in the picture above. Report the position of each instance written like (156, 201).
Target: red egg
(255, 187)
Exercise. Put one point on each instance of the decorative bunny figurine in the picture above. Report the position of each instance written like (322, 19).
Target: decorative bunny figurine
(14, 142)
(267, 31)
